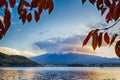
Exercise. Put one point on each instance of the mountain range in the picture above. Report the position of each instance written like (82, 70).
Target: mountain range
(58, 59)
(75, 59)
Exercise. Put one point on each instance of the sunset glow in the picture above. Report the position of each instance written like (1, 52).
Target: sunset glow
(62, 31)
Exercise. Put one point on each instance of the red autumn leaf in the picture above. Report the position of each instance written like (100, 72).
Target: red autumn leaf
(24, 10)
(27, 4)
(100, 39)
(41, 1)
(6, 28)
(42, 4)
(46, 4)
(7, 21)
(1, 29)
(20, 7)
(87, 38)
(92, 1)
(51, 6)
(1, 26)
(106, 38)
(6, 5)
(114, 1)
(83, 1)
(103, 10)
(34, 3)
(95, 39)
(37, 16)
(7, 18)
(108, 17)
(23, 17)
(99, 3)
(107, 3)
(40, 9)
(2, 2)
(117, 48)
(29, 17)
(116, 12)
(113, 39)
(111, 10)
(12, 3)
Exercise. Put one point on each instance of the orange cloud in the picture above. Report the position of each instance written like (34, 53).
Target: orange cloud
(11, 51)
(1, 18)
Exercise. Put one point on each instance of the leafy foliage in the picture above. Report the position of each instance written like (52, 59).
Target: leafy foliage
(87, 38)
(113, 38)
(97, 38)
(106, 38)
(117, 48)
(112, 9)
(100, 39)
(24, 10)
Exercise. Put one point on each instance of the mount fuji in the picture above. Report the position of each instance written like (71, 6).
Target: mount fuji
(73, 58)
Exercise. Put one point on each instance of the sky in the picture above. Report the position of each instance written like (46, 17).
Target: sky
(62, 31)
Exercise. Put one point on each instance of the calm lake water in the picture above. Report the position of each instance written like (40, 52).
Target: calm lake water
(60, 73)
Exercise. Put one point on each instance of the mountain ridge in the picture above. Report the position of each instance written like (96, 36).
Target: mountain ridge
(15, 61)
(73, 58)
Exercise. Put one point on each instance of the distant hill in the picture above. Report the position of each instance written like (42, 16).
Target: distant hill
(15, 61)
(73, 59)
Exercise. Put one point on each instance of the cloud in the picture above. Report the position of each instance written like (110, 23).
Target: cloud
(16, 4)
(73, 44)
(41, 33)
(19, 30)
(11, 51)
(64, 45)
(16, 22)
(1, 18)
(106, 51)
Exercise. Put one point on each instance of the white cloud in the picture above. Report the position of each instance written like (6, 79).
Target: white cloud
(11, 51)
(106, 51)
(19, 30)
(73, 44)
(16, 22)
(16, 4)
(65, 45)
(1, 18)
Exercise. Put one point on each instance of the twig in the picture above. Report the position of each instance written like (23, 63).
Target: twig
(111, 25)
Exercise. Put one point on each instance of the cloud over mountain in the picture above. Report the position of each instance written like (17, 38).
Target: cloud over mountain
(65, 45)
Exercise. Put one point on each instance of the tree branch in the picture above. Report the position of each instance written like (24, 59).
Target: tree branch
(111, 25)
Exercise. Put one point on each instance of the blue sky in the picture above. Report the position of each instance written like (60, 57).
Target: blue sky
(69, 19)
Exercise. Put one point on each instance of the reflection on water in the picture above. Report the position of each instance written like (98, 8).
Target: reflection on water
(60, 73)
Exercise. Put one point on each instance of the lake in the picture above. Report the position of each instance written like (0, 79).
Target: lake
(59, 73)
